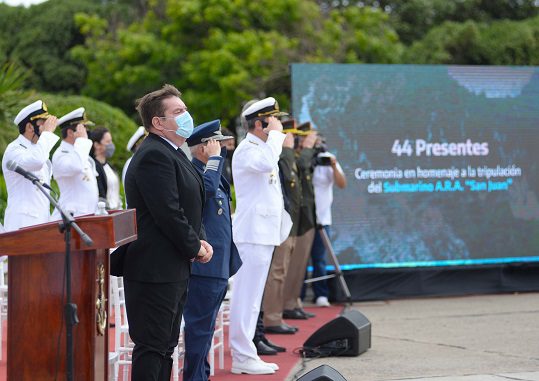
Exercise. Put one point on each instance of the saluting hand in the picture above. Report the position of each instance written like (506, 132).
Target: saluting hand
(50, 123)
(213, 148)
(289, 140)
(310, 140)
(274, 124)
(205, 253)
(80, 132)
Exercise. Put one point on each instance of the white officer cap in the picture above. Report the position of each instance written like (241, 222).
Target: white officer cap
(73, 118)
(265, 107)
(139, 134)
(36, 110)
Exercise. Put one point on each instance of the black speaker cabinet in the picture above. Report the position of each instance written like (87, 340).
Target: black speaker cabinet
(322, 373)
(347, 335)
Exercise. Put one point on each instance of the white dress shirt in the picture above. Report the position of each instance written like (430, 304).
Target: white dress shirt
(113, 188)
(26, 205)
(323, 180)
(74, 171)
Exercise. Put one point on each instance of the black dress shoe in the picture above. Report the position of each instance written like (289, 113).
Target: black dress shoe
(273, 345)
(280, 329)
(294, 314)
(262, 349)
(305, 313)
(291, 327)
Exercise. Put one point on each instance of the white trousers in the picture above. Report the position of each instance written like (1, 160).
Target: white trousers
(247, 291)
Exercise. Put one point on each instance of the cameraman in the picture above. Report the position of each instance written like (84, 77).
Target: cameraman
(327, 172)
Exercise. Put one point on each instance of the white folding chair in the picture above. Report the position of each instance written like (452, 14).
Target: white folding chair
(218, 342)
(113, 362)
(178, 355)
(122, 342)
(225, 306)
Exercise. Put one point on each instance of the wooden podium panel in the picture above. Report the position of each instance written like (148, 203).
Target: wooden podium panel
(36, 297)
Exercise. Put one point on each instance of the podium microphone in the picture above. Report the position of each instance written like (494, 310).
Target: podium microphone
(13, 166)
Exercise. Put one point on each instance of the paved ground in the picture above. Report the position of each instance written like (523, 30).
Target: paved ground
(474, 338)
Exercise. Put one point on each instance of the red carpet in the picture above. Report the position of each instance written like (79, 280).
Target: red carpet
(286, 361)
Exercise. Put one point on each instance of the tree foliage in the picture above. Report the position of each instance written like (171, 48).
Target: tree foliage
(221, 53)
(497, 43)
(412, 19)
(12, 97)
(39, 39)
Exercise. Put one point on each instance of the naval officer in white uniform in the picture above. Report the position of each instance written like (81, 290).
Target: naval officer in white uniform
(132, 146)
(260, 223)
(73, 168)
(26, 205)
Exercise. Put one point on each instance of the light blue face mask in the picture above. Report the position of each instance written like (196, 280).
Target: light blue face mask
(185, 124)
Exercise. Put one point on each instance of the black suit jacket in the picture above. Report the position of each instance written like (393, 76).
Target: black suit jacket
(168, 195)
(101, 179)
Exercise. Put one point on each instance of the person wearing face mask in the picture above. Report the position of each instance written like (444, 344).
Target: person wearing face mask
(208, 282)
(168, 194)
(108, 181)
(26, 205)
(260, 224)
(73, 168)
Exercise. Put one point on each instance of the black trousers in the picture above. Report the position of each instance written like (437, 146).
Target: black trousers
(259, 331)
(154, 313)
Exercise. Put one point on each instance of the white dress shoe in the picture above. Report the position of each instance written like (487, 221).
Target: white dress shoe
(322, 301)
(251, 366)
(271, 365)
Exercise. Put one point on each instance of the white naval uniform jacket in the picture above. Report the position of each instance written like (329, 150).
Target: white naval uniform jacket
(260, 217)
(26, 205)
(75, 173)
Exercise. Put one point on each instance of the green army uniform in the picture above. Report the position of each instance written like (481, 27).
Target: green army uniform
(305, 233)
(274, 289)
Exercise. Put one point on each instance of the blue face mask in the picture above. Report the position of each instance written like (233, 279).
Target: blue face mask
(185, 125)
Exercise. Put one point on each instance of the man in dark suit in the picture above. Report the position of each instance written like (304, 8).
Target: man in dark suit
(208, 283)
(168, 194)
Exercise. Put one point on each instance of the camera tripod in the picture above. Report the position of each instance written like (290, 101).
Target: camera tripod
(338, 273)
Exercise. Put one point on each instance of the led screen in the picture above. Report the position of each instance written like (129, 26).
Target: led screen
(441, 161)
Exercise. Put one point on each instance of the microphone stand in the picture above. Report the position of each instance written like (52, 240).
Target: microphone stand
(70, 309)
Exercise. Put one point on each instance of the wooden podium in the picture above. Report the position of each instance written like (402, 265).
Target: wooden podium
(36, 297)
